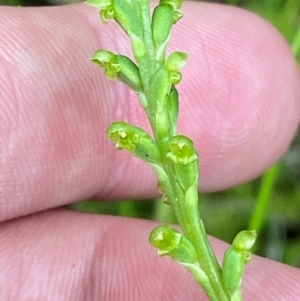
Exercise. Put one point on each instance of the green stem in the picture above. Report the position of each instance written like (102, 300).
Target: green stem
(296, 43)
(267, 184)
(192, 226)
(147, 65)
(188, 217)
(146, 22)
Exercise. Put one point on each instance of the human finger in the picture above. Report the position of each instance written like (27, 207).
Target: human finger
(62, 255)
(55, 106)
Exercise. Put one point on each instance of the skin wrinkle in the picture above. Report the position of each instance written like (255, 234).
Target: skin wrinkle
(8, 110)
(24, 269)
(131, 262)
(104, 265)
(39, 267)
(54, 137)
(14, 110)
(117, 249)
(254, 132)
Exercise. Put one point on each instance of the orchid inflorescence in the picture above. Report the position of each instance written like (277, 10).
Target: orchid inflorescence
(154, 77)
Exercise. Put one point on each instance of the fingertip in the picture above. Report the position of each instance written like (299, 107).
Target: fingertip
(240, 96)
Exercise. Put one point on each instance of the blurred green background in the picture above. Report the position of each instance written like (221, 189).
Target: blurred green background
(271, 203)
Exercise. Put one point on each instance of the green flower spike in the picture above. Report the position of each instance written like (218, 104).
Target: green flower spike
(134, 140)
(153, 76)
(235, 259)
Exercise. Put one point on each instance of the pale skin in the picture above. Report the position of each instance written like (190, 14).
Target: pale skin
(240, 103)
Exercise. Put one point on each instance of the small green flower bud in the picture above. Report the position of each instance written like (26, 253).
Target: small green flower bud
(164, 238)
(160, 89)
(235, 259)
(171, 242)
(119, 66)
(107, 60)
(160, 86)
(184, 157)
(232, 270)
(135, 140)
(182, 150)
(124, 136)
(173, 64)
(176, 61)
(129, 73)
(244, 240)
(173, 108)
(162, 22)
(103, 57)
